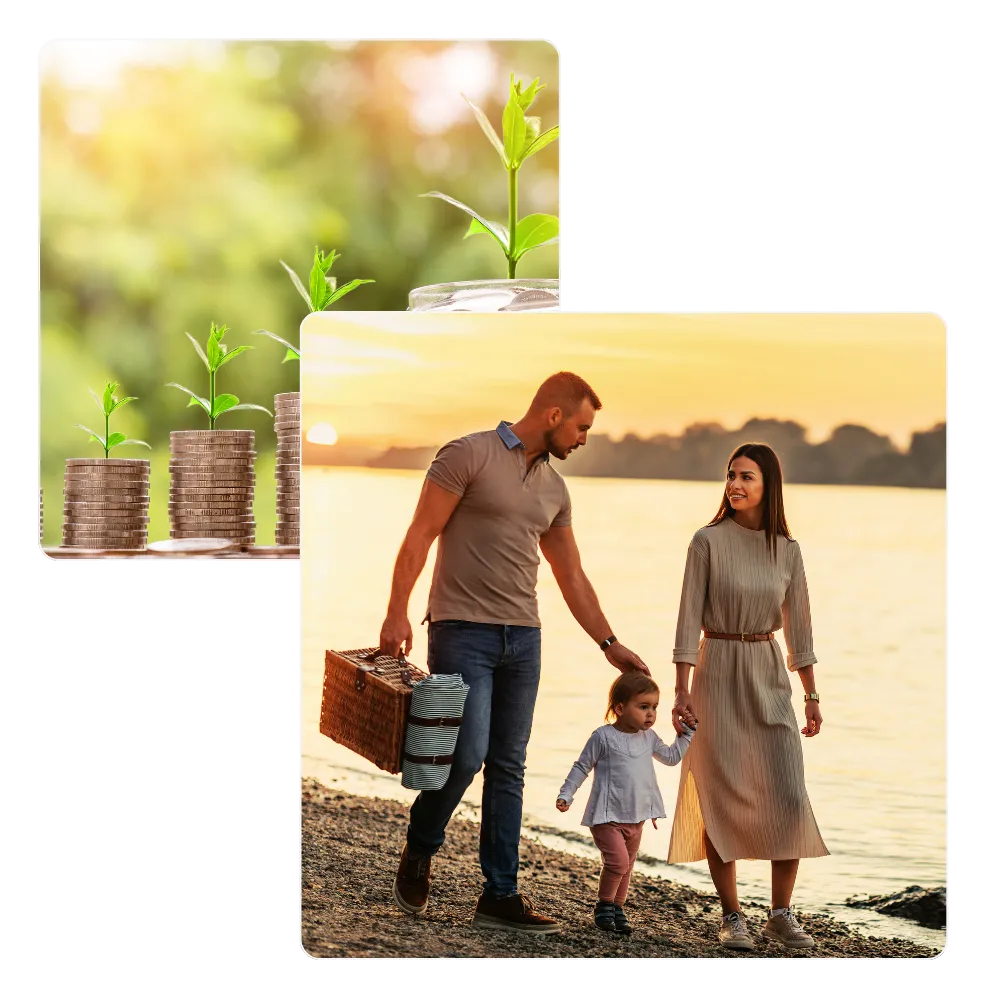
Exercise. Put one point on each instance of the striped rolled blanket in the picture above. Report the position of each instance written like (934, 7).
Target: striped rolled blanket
(432, 730)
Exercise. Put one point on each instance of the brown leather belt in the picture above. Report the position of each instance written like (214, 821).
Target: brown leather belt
(740, 636)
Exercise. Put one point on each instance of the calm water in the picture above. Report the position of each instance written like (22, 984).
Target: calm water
(875, 560)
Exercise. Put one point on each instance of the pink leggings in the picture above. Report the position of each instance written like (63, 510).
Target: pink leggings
(619, 844)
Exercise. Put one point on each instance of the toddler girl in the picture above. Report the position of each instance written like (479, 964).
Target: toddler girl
(624, 794)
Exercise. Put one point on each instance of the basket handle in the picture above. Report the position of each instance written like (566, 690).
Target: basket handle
(406, 676)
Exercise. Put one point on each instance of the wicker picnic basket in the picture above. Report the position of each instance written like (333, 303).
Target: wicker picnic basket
(366, 702)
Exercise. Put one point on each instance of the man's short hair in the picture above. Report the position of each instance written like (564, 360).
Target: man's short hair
(565, 390)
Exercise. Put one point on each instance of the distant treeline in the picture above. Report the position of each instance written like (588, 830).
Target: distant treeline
(853, 455)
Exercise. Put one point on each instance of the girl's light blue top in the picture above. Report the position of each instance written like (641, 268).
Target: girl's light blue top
(625, 789)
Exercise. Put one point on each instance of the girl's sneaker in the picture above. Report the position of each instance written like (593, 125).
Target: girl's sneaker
(782, 927)
(604, 915)
(621, 921)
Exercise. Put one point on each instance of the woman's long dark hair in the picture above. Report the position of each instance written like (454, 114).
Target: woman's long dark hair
(773, 503)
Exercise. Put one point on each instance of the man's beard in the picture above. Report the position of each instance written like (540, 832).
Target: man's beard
(552, 448)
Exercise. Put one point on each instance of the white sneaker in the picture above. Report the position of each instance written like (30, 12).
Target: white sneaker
(784, 928)
(733, 932)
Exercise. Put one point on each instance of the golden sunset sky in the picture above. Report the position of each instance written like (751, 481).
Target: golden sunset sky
(407, 379)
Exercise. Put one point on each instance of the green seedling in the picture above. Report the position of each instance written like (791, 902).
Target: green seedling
(323, 290)
(107, 403)
(522, 137)
(215, 355)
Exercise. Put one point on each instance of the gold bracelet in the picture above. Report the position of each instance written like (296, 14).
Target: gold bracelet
(812, 696)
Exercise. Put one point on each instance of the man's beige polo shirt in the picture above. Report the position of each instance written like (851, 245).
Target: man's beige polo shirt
(487, 557)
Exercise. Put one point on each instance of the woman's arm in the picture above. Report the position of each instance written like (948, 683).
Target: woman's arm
(690, 615)
(797, 622)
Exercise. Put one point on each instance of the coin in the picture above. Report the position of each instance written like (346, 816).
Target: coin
(98, 472)
(189, 545)
(210, 435)
(238, 539)
(241, 491)
(104, 463)
(97, 523)
(209, 520)
(211, 462)
(103, 496)
(111, 508)
(194, 482)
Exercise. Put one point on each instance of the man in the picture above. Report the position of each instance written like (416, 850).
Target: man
(494, 499)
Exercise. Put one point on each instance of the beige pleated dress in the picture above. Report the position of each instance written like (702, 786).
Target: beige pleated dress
(743, 781)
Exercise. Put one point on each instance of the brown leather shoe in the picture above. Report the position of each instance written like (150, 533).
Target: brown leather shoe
(413, 883)
(512, 913)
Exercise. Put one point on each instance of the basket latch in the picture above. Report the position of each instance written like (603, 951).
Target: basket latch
(361, 677)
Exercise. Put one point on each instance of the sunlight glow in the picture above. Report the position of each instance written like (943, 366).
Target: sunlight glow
(438, 82)
(322, 434)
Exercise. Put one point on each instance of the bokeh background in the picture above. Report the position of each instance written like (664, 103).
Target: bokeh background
(175, 176)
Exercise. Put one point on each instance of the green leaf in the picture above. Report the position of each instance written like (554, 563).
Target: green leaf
(484, 124)
(224, 401)
(122, 402)
(534, 231)
(229, 355)
(541, 142)
(500, 236)
(532, 128)
(197, 347)
(274, 336)
(215, 348)
(349, 287)
(291, 355)
(320, 286)
(136, 441)
(94, 436)
(297, 283)
(109, 397)
(195, 400)
(115, 439)
(252, 406)
(513, 129)
(527, 96)
(498, 232)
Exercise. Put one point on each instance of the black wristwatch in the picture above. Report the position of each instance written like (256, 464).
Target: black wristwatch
(610, 641)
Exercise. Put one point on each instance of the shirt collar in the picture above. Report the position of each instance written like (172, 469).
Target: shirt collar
(512, 441)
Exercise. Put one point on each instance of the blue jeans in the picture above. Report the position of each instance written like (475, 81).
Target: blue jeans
(501, 664)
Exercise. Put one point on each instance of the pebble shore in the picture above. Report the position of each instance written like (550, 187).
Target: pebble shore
(350, 850)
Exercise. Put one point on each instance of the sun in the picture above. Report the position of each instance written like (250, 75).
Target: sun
(322, 434)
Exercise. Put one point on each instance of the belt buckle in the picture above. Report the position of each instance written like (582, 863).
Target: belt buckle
(743, 636)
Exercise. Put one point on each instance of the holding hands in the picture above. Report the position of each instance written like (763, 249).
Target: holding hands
(683, 711)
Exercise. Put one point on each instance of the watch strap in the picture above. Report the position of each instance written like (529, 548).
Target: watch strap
(610, 641)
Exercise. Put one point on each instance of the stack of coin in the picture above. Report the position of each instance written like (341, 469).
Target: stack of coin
(287, 466)
(211, 485)
(106, 503)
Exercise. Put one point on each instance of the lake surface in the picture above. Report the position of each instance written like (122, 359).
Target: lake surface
(875, 561)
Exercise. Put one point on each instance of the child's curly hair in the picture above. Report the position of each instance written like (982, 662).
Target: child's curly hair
(626, 687)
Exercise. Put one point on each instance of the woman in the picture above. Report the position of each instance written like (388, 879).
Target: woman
(742, 789)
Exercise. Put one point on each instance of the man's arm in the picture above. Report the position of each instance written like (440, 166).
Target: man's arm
(434, 508)
(559, 548)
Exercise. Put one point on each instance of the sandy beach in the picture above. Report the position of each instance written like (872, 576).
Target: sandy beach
(350, 849)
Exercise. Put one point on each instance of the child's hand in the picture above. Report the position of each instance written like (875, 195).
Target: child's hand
(562, 805)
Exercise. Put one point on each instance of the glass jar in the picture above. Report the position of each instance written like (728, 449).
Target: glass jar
(507, 295)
